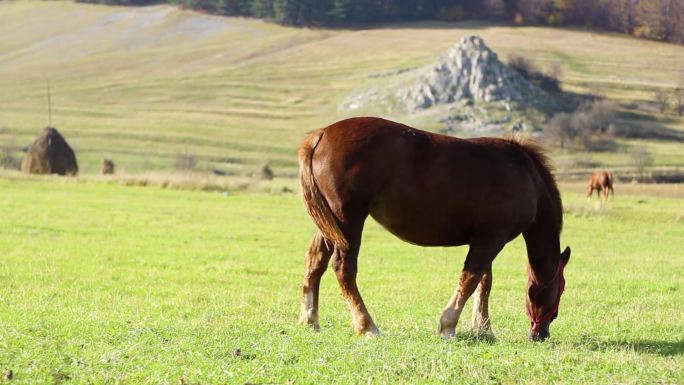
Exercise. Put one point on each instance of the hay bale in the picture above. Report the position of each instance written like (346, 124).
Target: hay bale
(265, 172)
(49, 154)
(107, 167)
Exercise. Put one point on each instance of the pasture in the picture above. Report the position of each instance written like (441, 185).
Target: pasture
(103, 281)
(107, 284)
(146, 85)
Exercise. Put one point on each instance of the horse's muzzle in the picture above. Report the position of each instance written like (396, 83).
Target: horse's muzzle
(539, 332)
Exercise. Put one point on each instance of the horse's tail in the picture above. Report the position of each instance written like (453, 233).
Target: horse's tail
(314, 201)
(545, 171)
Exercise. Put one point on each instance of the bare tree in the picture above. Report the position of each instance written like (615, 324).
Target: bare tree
(679, 100)
(602, 115)
(679, 94)
(661, 99)
(185, 162)
(559, 129)
(592, 118)
(640, 159)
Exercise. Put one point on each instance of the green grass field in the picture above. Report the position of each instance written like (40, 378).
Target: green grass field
(145, 85)
(106, 284)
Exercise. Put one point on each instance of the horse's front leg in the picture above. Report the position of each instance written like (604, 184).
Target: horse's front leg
(481, 322)
(477, 262)
(317, 258)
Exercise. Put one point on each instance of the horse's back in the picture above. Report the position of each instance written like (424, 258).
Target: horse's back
(601, 179)
(426, 188)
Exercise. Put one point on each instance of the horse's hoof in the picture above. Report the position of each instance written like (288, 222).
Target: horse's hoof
(375, 333)
(311, 323)
(368, 331)
(446, 332)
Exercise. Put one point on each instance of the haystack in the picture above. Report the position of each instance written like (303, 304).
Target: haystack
(50, 154)
(107, 167)
(265, 172)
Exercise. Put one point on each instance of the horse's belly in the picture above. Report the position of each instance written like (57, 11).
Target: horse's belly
(414, 226)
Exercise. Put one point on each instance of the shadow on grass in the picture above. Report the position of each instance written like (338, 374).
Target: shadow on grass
(472, 337)
(661, 348)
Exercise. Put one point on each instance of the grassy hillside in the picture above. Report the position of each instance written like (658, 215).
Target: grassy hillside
(101, 283)
(146, 85)
(109, 284)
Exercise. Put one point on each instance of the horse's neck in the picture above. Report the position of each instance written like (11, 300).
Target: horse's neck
(543, 250)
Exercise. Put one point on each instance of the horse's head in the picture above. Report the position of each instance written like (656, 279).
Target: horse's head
(543, 299)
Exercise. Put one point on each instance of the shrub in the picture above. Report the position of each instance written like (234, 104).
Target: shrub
(185, 162)
(528, 69)
(661, 99)
(523, 65)
(559, 130)
(679, 100)
(588, 120)
(8, 160)
(640, 158)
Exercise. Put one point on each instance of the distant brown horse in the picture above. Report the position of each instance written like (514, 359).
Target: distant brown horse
(431, 190)
(602, 182)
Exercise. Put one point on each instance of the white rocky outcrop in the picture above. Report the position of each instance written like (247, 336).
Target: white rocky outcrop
(470, 70)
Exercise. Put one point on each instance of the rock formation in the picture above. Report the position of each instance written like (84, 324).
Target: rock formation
(472, 71)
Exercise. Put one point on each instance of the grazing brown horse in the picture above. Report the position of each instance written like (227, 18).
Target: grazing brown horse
(602, 182)
(431, 190)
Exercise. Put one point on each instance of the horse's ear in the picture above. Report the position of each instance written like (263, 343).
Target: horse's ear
(565, 255)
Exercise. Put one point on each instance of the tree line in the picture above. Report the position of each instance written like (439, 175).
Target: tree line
(652, 19)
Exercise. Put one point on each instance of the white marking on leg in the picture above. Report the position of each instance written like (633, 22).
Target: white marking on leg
(450, 316)
(308, 305)
(361, 320)
(481, 324)
(477, 315)
(307, 314)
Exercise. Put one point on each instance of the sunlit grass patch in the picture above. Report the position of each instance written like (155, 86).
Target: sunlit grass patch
(108, 283)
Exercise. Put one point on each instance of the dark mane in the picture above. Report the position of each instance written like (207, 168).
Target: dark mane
(545, 170)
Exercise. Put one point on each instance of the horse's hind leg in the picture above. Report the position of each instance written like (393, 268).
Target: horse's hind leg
(317, 258)
(345, 265)
(481, 322)
(478, 261)
(606, 192)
